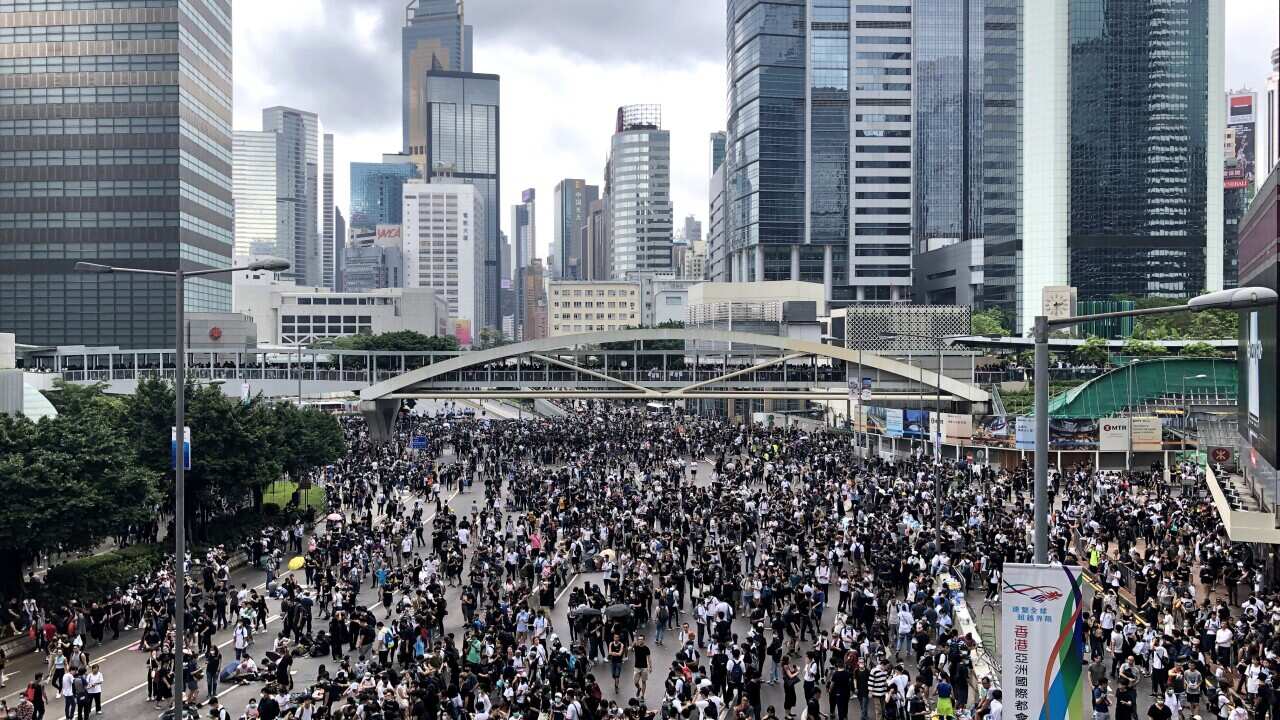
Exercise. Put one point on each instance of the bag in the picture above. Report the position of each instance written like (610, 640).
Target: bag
(30, 693)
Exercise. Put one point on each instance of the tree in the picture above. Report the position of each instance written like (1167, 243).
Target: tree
(491, 338)
(305, 438)
(1143, 348)
(69, 482)
(399, 341)
(1199, 349)
(989, 322)
(1092, 352)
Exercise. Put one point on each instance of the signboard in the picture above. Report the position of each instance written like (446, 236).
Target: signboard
(387, 232)
(1145, 434)
(1220, 455)
(186, 448)
(994, 430)
(1024, 432)
(915, 424)
(957, 427)
(1073, 433)
(418, 442)
(246, 393)
(1240, 108)
(893, 422)
(462, 331)
(866, 389)
(1042, 642)
(1114, 434)
(1238, 157)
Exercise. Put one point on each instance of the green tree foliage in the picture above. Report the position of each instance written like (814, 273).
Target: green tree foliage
(990, 322)
(1092, 352)
(69, 482)
(1208, 325)
(399, 341)
(306, 438)
(1199, 349)
(1143, 348)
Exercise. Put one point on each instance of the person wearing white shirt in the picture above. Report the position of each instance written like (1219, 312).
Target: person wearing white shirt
(93, 684)
(995, 711)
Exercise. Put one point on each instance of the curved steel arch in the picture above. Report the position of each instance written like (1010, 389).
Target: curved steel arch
(962, 390)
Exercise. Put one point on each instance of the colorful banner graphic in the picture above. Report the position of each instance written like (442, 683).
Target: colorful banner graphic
(893, 422)
(1042, 642)
(915, 424)
(1073, 433)
(996, 430)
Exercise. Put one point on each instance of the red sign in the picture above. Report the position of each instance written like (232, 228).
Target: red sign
(1220, 455)
(215, 333)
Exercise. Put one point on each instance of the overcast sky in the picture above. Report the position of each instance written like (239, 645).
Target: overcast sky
(566, 66)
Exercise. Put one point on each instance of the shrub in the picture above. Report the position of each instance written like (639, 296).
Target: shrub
(92, 579)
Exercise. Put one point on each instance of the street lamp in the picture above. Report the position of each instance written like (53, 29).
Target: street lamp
(179, 389)
(1237, 299)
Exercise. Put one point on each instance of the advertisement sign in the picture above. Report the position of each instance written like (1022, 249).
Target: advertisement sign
(186, 447)
(877, 419)
(1145, 434)
(1073, 433)
(1240, 108)
(994, 430)
(957, 427)
(1114, 435)
(1042, 642)
(1025, 432)
(866, 389)
(893, 422)
(915, 424)
(1238, 157)
(462, 331)
(387, 232)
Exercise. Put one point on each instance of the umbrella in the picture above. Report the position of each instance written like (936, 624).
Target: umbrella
(620, 610)
(609, 554)
(583, 610)
(297, 563)
(336, 517)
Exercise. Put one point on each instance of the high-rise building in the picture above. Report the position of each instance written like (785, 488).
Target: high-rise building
(462, 143)
(1122, 127)
(373, 259)
(260, 217)
(718, 140)
(434, 37)
(304, 167)
(108, 157)
(524, 248)
(691, 232)
(639, 188)
(376, 192)
(1239, 173)
(534, 323)
(572, 198)
(1271, 116)
(339, 246)
(964, 169)
(716, 267)
(443, 245)
(596, 245)
(328, 239)
(813, 188)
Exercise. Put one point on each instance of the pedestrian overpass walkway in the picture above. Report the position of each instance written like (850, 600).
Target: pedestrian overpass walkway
(1149, 385)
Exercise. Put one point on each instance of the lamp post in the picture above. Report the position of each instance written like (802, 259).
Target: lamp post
(1238, 299)
(179, 410)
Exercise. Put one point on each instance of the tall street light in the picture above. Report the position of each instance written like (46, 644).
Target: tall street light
(1238, 299)
(179, 410)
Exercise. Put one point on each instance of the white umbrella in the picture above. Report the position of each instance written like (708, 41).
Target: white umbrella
(334, 516)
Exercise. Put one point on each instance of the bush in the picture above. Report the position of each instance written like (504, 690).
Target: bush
(92, 579)
(270, 509)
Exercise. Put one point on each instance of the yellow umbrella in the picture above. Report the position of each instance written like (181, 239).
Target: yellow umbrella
(297, 563)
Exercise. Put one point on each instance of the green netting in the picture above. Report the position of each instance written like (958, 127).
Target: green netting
(1145, 380)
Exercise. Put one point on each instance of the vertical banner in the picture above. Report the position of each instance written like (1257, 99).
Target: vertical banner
(1114, 434)
(957, 428)
(1024, 433)
(893, 422)
(1042, 642)
(1146, 434)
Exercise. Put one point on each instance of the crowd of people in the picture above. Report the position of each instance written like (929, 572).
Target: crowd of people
(622, 562)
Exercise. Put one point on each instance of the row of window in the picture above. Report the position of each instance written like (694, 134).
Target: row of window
(341, 300)
(8, 6)
(579, 292)
(320, 319)
(141, 218)
(332, 330)
(88, 63)
(89, 188)
(79, 95)
(593, 316)
(90, 126)
(601, 304)
(54, 158)
(73, 33)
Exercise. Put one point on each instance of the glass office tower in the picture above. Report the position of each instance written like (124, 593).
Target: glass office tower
(434, 37)
(115, 148)
(462, 142)
(376, 193)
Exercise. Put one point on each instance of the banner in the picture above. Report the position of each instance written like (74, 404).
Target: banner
(916, 424)
(1114, 435)
(957, 427)
(1042, 642)
(893, 422)
(877, 419)
(1025, 432)
(994, 430)
(1073, 433)
(1145, 434)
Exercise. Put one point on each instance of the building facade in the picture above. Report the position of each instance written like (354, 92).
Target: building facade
(664, 299)
(597, 244)
(289, 314)
(524, 248)
(373, 259)
(572, 199)
(639, 189)
(116, 145)
(1239, 172)
(462, 122)
(304, 169)
(443, 245)
(584, 306)
(533, 284)
(376, 192)
(1270, 145)
(261, 218)
(434, 37)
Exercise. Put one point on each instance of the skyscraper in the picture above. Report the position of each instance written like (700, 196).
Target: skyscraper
(462, 142)
(813, 189)
(639, 188)
(1271, 116)
(339, 246)
(524, 248)
(717, 149)
(1122, 126)
(1239, 174)
(443, 245)
(108, 157)
(572, 198)
(254, 179)
(434, 37)
(376, 193)
(597, 247)
(304, 167)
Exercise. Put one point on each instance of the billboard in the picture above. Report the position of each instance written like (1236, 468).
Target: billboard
(1258, 424)
(387, 232)
(893, 422)
(994, 430)
(1145, 434)
(957, 427)
(915, 424)
(1114, 434)
(1042, 642)
(1025, 432)
(462, 331)
(1073, 433)
(1240, 108)
(1238, 154)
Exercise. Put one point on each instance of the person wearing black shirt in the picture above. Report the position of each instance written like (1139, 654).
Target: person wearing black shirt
(1126, 702)
(640, 653)
(212, 667)
(268, 707)
(1159, 711)
(841, 690)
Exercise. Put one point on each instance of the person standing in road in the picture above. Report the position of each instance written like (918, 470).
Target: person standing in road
(212, 667)
(35, 693)
(94, 681)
